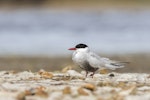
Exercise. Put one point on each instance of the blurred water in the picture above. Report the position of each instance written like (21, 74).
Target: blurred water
(39, 32)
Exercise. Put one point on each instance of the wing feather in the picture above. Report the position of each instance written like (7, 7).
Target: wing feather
(95, 60)
(100, 62)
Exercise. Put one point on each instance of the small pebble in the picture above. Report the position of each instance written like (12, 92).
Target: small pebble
(111, 75)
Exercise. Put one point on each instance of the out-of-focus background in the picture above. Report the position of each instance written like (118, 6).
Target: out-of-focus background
(35, 34)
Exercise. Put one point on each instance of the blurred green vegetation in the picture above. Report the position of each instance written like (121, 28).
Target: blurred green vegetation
(76, 3)
(65, 1)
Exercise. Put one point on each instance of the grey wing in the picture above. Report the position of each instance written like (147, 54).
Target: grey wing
(95, 60)
(99, 62)
(110, 64)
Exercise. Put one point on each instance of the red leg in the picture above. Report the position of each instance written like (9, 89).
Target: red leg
(86, 73)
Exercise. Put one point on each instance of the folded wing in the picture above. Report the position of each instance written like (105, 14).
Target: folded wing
(110, 64)
(99, 62)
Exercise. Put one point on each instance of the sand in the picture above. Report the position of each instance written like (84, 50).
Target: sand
(72, 85)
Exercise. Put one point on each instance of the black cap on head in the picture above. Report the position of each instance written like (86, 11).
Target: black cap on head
(81, 46)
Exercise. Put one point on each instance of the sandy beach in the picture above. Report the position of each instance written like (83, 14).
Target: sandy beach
(72, 85)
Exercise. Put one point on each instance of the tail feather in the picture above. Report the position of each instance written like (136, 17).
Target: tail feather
(119, 63)
(115, 65)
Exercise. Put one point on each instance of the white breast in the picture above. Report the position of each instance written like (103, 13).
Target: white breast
(79, 58)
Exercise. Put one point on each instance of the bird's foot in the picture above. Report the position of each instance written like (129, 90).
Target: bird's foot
(92, 74)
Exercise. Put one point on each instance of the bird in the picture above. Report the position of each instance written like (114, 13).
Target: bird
(90, 61)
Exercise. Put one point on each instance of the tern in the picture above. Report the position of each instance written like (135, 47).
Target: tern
(90, 61)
